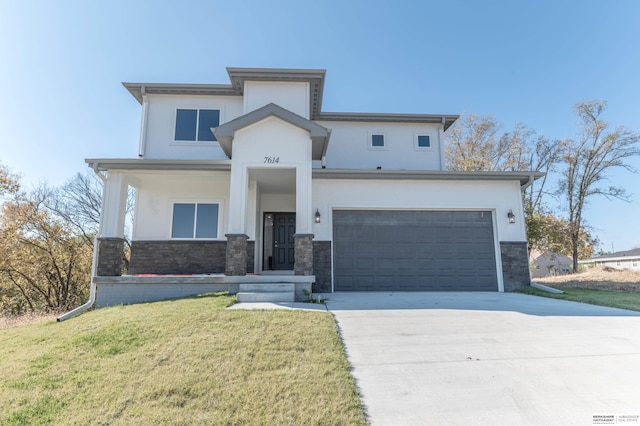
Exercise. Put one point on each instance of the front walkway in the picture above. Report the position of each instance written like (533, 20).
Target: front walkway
(489, 358)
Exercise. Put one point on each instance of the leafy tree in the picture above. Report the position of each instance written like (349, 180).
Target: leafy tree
(587, 162)
(9, 183)
(44, 264)
(46, 243)
(547, 232)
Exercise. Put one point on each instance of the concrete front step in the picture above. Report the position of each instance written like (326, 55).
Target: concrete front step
(266, 296)
(268, 287)
(266, 292)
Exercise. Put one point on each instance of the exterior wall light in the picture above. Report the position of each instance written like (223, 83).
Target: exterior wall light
(317, 216)
(511, 216)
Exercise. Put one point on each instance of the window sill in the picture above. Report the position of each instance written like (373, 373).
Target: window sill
(194, 143)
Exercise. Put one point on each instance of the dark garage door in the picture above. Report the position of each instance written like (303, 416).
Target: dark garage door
(381, 250)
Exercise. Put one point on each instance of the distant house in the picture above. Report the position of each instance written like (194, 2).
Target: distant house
(549, 264)
(629, 259)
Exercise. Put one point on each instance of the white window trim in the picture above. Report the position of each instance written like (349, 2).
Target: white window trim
(220, 204)
(423, 148)
(175, 142)
(376, 148)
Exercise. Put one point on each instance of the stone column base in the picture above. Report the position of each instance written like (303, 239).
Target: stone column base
(303, 246)
(110, 257)
(515, 265)
(236, 257)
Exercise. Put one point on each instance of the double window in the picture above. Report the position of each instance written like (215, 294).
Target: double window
(196, 124)
(195, 220)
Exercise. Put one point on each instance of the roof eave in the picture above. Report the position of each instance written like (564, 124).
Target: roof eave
(105, 164)
(447, 119)
(225, 132)
(522, 177)
(139, 89)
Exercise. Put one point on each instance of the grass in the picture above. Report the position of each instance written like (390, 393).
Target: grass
(186, 361)
(613, 299)
(604, 286)
(600, 278)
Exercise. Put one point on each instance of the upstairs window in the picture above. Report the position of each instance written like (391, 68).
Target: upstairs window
(195, 220)
(376, 141)
(423, 141)
(196, 124)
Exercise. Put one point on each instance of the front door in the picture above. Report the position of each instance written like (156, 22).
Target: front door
(284, 227)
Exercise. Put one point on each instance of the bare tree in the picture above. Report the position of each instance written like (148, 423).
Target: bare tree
(473, 144)
(79, 203)
(587, 161)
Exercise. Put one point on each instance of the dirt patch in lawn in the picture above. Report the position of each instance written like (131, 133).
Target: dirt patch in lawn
(20, 320)
(600, 278)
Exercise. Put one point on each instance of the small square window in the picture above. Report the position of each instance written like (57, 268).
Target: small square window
(196, 124)
(424, 141)
(377, 141)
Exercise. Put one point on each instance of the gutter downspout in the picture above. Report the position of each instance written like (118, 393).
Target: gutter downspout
(143, 126)
(94, 262)
(529, 182)
(92, 288)
(324, 149)
(443, 121)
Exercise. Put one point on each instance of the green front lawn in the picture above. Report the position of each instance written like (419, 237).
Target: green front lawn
(186, 361)
(613, 299)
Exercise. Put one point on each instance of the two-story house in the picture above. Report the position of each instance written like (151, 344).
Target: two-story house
(251, 186)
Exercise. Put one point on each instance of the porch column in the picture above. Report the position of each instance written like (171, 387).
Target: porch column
(303, 246)
(111, 236)
(114, 205)
(236, 260)
(304, 213)
(238, 199)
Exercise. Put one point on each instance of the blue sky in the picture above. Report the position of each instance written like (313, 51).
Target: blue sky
(62, 62)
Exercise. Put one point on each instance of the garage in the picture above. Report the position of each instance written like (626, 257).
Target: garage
(391, 250)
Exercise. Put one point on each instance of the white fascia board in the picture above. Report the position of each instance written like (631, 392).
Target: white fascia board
(137, 164)
(180, 89)
(448, 119)
(522, 177)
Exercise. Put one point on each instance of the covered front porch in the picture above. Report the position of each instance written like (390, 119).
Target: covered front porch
(264, 255)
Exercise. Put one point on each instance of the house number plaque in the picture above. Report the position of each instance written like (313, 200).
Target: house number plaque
(271, 160)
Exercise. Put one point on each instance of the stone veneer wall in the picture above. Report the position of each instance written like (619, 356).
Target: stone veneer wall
(303, 252)
(322, 266)
(110, 257)
(515, 265)
(182, 257)
(236, 255)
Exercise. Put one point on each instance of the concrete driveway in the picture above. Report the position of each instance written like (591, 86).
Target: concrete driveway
(489, 358)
